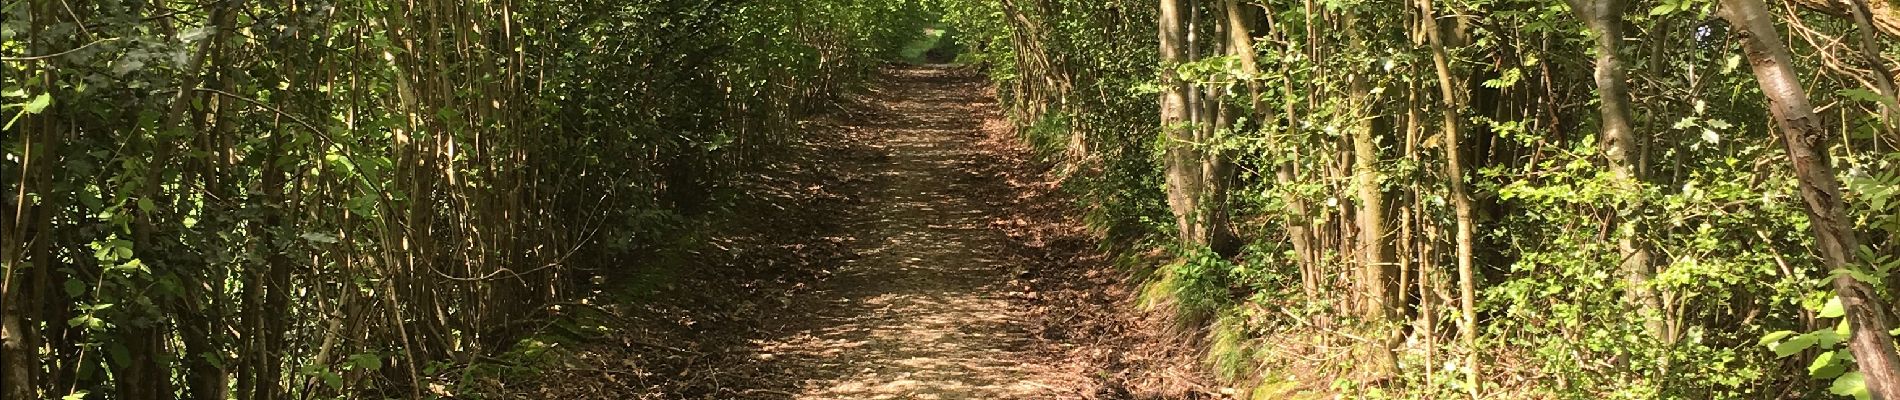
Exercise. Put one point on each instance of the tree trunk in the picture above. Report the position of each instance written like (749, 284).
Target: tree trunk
(19, 356)
(1378, 307)
(1805, 139)
(1298, 222)
(1182, 158)
(1461, 201)
(1619, 146)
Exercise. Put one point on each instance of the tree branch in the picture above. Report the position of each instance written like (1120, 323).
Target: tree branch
(1882, 14)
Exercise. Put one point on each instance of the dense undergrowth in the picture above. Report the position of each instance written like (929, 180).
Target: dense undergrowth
(289, 199)
(1332, 264)
(1483, 198)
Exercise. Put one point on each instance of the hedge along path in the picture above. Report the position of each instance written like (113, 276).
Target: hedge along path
(922, 312)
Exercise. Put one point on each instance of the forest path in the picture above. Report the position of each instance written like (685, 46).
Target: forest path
(922, 311)
(908, 247)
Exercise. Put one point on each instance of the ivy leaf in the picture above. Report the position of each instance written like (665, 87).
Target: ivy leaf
(1685, 122)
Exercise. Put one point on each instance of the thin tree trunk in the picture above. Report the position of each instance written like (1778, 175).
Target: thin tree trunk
(1461, 201)
(1881, 14)
(1410, 219)
(1805, 138)
(1863, 14)
(1298, 221)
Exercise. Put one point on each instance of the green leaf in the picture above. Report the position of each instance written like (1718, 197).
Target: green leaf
(1860, 94)
(1826, 338)
(78, 395)
(212, 358)
(38, 104)
(1663, 8)
(119, 353)
(75, 287)
(1828, 365)
(1795, 345)
(318, 237)
(1866, 95)
(1772, 337)
(365, 362)
(1854, 272)
(1850, 384)
(1505, 79)
(1833, 309)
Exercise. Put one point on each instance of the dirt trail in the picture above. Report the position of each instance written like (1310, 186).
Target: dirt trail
(907, 249)
(923, 311)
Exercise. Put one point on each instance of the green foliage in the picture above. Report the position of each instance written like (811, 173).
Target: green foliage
(1107, 57)
(1230, 349)
(327, 200)
(1202, 283)
(1833, 360)
(1712, 199)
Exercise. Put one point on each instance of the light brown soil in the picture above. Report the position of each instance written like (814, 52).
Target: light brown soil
(917, 254)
